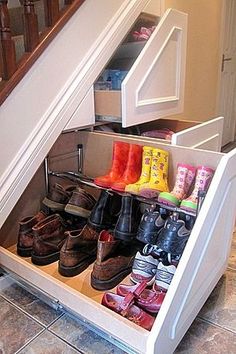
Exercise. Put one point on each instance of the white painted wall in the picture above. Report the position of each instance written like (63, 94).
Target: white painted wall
(40, 106)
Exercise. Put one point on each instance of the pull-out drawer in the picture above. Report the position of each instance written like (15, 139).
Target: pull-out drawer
(202, 135)
(154, 85)
(201, 265)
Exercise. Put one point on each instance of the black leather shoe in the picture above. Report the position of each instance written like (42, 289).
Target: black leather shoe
(151, 223)
(105, 212)
(127, 225)
(174, 236)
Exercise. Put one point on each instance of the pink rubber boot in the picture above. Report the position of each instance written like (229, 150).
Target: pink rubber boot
(184, 179)
(202, 182)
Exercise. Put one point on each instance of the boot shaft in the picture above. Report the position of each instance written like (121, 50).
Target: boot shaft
(146, 164)
(184, 179)
(119, 159)
(134, 162)
(159, 167)
(105, 210)
(127, 224)
(203, 179)
(106, 245)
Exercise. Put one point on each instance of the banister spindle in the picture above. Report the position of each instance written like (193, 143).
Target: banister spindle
(7, 50)
(30, 21)
(68, 2)
(52, 12)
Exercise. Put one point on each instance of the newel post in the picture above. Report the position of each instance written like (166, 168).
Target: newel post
(7, 45)
(30, 21)
(52, 12)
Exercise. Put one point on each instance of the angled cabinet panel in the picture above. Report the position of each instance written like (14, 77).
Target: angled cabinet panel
(154, 86)
(84, 114)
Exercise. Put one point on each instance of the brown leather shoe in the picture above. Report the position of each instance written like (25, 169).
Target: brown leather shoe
(25, 234)
(78, 252)
(81, 203)
(114, 261)
(49, 237)
(58, 197)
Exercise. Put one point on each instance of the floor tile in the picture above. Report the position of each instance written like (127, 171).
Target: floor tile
(47, 343)
(28, 302)
(232, 257)
(220, 308)
(204, 338)
(16, 329)
(78, 335)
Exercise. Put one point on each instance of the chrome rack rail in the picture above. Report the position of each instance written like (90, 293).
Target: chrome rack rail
(88, 181)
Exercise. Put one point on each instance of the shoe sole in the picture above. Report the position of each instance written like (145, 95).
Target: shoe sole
(110, 283)
(53, 205)
(24, 252)
(75, 210)
(44, 260)
(72, 271)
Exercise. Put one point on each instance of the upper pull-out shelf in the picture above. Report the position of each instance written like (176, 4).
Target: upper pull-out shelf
(154, 85)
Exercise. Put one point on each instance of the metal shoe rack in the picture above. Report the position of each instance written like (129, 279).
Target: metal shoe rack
(88, 181)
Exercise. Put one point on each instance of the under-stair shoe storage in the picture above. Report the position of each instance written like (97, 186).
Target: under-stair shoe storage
(202, 263)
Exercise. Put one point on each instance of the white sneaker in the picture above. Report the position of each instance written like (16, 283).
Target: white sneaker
(144, 269)
(164, 276)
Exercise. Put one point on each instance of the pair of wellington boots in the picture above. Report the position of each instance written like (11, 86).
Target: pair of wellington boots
(126, 167)
(153, 178)
(184, 180)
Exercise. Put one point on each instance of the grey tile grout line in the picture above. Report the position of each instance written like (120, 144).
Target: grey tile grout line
(30, 341)
(216, 325)
(70, 344)
(29, 315)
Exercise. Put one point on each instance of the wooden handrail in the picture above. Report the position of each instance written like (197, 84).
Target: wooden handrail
(28, 58)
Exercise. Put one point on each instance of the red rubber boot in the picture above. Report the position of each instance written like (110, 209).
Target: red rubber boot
(133, 169)
(119, 162)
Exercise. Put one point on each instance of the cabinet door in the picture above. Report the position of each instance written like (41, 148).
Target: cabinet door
(154, 86)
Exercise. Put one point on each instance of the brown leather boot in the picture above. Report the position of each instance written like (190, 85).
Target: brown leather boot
(81, 203)
(58, 197)
(25, 234)
(114, 261)
(78, 252)
(49, 237)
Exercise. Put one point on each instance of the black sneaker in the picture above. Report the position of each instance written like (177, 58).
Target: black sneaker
(151, 223)
(174, 235)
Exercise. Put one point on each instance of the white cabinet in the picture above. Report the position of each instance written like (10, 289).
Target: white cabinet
(203, 261)
(154, 85)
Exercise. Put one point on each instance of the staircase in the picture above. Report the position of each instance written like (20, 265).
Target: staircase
(38, 108)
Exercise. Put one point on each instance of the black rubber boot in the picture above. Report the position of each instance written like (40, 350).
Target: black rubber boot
(174, 236)
(127, 225)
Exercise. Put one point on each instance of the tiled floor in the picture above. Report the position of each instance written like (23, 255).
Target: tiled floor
(29, 326)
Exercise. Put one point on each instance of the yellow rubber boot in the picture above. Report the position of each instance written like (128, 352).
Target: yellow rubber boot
(159, 173)
(146, 171)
